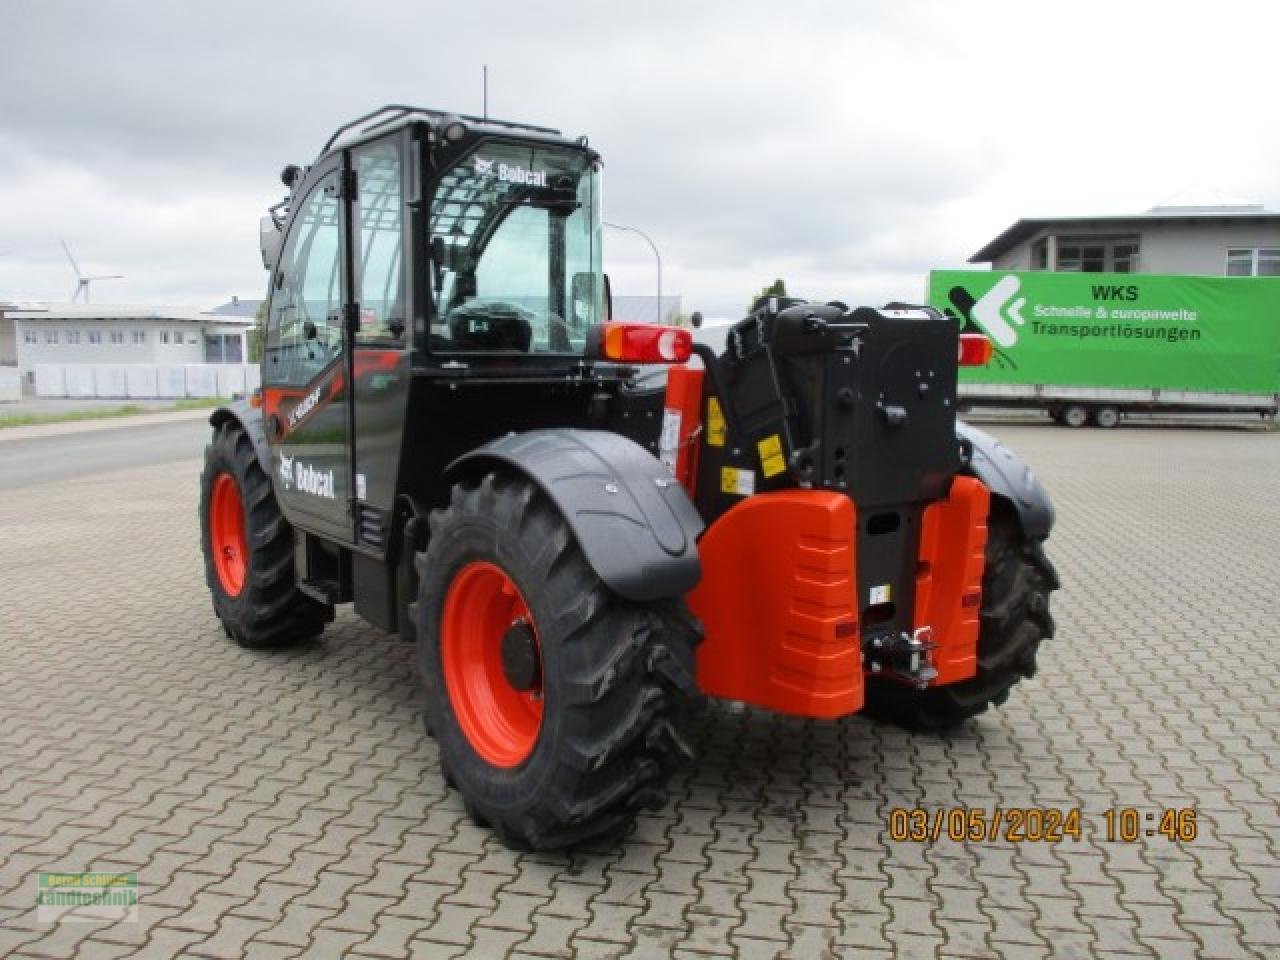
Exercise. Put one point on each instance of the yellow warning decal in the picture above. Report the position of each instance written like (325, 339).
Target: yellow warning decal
(771, 460)
(740, 482)
(715, 423)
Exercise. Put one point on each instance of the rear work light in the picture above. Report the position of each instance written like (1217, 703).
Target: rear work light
(644, 343)
(975, 350)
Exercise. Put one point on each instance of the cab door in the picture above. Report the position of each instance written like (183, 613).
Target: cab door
(305, 384)
(380, 380)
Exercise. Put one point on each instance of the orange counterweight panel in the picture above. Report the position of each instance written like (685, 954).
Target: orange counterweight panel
(953, 541)
(681, 424)
(777, 600)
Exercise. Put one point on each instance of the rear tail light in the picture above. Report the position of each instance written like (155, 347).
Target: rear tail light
(644, 343)
(975, 350)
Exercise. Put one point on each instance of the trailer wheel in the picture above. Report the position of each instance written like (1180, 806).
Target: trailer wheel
(1015, 620)
(248, 549)
(1106, 417)
(559, 707)
(1074, 415)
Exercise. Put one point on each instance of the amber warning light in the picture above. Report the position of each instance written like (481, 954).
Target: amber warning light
(644, 343)
(975, 350)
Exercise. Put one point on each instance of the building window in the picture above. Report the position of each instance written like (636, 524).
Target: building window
(117, 337)
(1098, 255)
(1253, 262)
(139, 336)
(177, 337)
(51, 336)
(73, 336)
(1040, 254)
(1124, 258)
(164, 336)
(95, 336)
(29, 336)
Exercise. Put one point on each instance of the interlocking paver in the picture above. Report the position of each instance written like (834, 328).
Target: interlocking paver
(287, 804)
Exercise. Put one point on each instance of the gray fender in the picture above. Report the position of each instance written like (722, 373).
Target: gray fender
(250, 418)
(635, 524)
(1008, 476)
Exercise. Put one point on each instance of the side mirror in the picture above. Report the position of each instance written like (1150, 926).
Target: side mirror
(269, 239)
(696, 319)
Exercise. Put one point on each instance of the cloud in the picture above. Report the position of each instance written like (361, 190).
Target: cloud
(848, 148)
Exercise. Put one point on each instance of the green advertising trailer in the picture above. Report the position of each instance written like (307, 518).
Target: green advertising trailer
(1089, 347)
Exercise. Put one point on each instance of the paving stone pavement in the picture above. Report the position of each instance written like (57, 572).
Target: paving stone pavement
(288, 804)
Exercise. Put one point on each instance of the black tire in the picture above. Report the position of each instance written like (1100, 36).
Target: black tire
(1106, 417)
(617, 683)
(269, 610)
(1074, 415)
(1015, 620)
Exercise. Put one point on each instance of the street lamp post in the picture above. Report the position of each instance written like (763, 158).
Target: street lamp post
(657, 256)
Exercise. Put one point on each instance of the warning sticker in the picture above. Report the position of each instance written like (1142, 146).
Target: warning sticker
(881, 594)
(669, 442)
(771, 459)
(737, 481)
(715, 423)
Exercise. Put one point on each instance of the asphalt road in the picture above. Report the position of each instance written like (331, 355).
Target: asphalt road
(40, 460)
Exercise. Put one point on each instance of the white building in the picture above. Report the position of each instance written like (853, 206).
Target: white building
(1201, 233)
(93, 333)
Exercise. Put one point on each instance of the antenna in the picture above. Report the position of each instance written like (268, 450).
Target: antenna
(82, 282)
(486, 91)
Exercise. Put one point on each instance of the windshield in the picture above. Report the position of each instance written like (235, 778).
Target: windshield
(515, 251)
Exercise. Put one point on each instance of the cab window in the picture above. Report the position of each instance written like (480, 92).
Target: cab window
(304, 327)
(379, 289)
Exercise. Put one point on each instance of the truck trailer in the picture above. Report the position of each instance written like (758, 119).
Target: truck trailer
(1091, 347)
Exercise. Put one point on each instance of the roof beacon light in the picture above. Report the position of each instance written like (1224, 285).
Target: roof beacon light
(645, 343)
(975, 350)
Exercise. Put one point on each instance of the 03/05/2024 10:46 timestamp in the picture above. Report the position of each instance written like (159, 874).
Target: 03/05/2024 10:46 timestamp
(1039, 824)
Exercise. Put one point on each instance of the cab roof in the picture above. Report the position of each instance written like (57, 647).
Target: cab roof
(396, 116)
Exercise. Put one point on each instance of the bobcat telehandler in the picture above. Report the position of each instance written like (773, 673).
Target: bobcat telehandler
(586, 524)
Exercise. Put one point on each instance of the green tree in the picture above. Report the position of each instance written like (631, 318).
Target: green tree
(776, 289)
(258, 334)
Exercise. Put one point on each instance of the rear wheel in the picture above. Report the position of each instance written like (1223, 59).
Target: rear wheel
(1015, 620)
(559, 707)
(248, 549)
(1106, 417)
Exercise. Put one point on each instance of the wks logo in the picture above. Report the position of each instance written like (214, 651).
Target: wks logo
(999, 312)
(286, 471)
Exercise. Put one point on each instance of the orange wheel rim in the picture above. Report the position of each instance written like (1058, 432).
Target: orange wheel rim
(500, 722)
(226, 534)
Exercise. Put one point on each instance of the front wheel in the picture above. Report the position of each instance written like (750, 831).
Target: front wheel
(1074, 415)
(559, 707)
(248, 549)
(1015, 620)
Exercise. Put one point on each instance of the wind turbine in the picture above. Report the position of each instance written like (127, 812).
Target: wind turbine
(82, 282)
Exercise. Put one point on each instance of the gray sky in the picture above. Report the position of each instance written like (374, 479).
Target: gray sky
(847, 147)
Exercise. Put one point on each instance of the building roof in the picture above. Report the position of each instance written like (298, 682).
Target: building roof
(1177, 209)
(118, 311)
(237, 307)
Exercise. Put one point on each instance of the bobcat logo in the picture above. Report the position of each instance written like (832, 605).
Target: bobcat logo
(483, 166)
(286, 471)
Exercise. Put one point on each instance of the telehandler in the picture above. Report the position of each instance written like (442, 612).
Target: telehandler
(586, 524)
